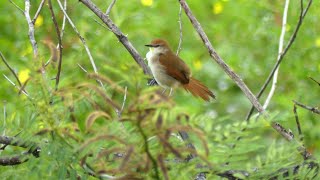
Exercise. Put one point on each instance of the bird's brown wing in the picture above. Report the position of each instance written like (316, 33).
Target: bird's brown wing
(176, 68)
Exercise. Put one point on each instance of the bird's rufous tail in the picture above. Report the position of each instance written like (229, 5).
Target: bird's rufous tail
(198, 89)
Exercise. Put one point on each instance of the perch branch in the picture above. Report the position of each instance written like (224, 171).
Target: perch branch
(122, 38)
(291, 40)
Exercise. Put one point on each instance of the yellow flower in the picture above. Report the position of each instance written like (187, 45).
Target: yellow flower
(217, 8)
(318, 42)
(24, 75)
(147, 2)
(197, 64)
(39, 21)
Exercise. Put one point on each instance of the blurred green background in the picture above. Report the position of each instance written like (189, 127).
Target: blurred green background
(245, 34)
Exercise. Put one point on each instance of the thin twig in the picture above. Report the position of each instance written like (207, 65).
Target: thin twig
(280, 49)
(82, 40)
(119, 112)
(123, 102)
(10, 68)
(17, 6)
(60, 43)
(180, 30)
(83, 69)
(315, 81)
(122, 38)
(110, 7)
(31, 29)
(64, 19)
(21, 88)
(219, 60)
(38, 11)
(297, 122)
(25, 93)
(291, 40)
(312, 109)
(101, 24)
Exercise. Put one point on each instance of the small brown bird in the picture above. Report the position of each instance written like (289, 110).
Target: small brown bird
(170, 71)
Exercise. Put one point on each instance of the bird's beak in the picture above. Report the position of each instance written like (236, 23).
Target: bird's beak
(149, 45)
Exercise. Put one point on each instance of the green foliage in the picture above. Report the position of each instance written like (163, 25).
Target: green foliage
(85, 130)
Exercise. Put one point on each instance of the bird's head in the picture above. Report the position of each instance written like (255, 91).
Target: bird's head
(158, 46)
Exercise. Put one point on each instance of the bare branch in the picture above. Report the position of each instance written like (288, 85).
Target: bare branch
(31, 29)
(291, 40)
(280, 49)
(122, 38)
(60, 43)
(312, 109)
(38, 11)
(110, 7)
(180, 30)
